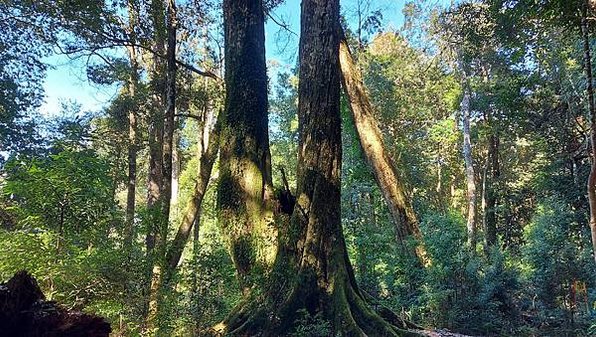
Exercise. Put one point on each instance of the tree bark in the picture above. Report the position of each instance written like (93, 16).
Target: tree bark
(162, 220)
(155, 176)
(175, 173)
(192, 214)
(469, 165)
(132, 130)
(590, 93)
(195, 287)
(155, 170)
(489, 190)
(371, 141)
(244, 191)
(312, 273)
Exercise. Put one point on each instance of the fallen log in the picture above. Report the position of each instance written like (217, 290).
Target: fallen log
(24, 311)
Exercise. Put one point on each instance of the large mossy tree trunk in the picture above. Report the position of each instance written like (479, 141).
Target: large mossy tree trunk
(312, 274)
(245, 183)
(371, 141)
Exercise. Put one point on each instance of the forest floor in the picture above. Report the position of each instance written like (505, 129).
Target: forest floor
(442, 333)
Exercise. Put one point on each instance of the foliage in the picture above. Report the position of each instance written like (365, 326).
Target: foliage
(556, 263)
(63, 180)
(21, 73)
(78, 277)
(462, 290)
(308, 325)
(69, 192)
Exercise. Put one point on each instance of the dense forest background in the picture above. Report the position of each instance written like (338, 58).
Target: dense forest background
(485, 112)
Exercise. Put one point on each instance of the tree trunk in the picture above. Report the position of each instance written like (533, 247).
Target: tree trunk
(244, 191)
(469, 166)
(590, 93)
(312, 273)
(162, 220)
(175, 174)
(192, 214)
(489, 190)
(195, 288)
(371, 141)
(132, 130)
(155, 177)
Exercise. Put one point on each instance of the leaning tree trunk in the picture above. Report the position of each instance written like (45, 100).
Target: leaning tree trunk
(371, 141)
(192, 213)
(590, 93)
(312, 273)
(161, 230)
(244, 191)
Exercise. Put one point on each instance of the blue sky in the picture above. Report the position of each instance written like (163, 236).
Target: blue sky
(67, 81)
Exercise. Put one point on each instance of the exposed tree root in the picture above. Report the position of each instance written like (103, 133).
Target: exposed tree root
(348, 310)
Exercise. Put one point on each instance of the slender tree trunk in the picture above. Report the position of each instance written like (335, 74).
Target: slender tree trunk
(491, 179)
(469, 166)
(132, 131)
(175, 173)
(590, 92)
(312, 272)
(483, 198)
(196, 290)
(155, 170)
(155, 177)
(192, 213)
(162, 220)
(244, 191)
(371, 141)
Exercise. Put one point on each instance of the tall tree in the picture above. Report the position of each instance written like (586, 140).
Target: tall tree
(468, 161)
(245, 183)
(132, 84)
(155, 174)
(592, 113)
(312, 272)
(491, 174)
(162, 219)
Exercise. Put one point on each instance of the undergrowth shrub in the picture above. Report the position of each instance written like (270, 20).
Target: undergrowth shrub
(464, 290)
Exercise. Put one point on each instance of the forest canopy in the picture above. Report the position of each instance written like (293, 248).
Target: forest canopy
(302, 168)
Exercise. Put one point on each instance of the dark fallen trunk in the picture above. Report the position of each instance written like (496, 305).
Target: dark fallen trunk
(24, 312)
